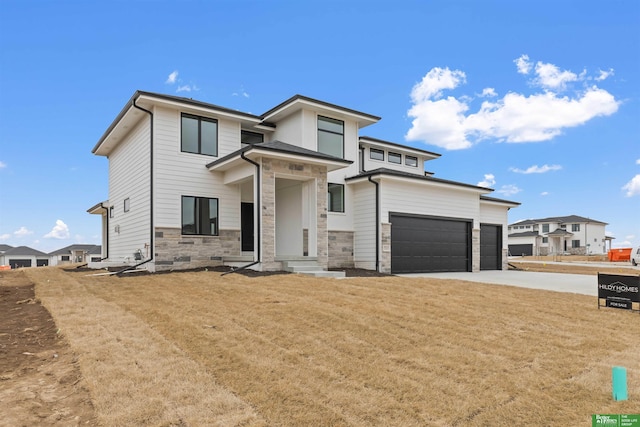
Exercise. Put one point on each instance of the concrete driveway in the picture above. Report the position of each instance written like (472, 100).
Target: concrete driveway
(560, 282)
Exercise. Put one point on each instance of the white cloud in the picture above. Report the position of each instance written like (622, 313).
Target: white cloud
(633, 186)
(184, 88)
(59, 231)
(604, 74)
(638, 162)
(173, 77)
(445, 121)
(241, 92)
(550, 76)
(509, 190)
(6, 236)
(488, 92)
(2, 164)
(544, 193)
(22, 231)
(488, 181)
(523, 64)
(537, 169)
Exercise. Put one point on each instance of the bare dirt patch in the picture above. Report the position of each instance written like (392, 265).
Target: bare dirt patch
(40, 383)
(568, 268)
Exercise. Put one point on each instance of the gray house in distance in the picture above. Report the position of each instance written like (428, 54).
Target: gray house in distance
(22, 256)
(573, 234)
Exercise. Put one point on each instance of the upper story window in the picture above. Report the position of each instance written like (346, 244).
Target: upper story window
(199, 135)
(376, 154)
(335, 198)
(411, 161)
(575, 227)
(331, 136)
(199, 216)
(545, 228)
(250, 138)
(395, 158)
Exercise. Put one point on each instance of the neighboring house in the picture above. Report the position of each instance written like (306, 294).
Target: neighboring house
(22, 256)
(571, 234)
(193, 184)
(76, 253)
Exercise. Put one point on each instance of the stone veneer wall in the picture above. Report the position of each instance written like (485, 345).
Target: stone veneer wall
(475, 250)
(272, 169)
(341, 249)
(385, 248)
(175, 251)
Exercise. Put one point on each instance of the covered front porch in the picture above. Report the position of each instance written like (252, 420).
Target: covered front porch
(283, 205)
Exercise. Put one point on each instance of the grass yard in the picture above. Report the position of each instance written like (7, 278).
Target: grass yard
(199, 349)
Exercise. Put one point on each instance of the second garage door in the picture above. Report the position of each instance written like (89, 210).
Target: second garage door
(421, 244)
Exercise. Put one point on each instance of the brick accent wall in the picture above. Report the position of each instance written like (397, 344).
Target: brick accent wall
(177, 252)
(341, 249)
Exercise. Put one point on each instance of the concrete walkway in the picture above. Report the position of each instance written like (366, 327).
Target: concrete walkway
(560, 282)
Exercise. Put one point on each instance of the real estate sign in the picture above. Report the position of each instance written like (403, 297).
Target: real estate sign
(619, 291)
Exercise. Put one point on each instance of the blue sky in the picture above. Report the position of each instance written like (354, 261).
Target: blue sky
(540, 100)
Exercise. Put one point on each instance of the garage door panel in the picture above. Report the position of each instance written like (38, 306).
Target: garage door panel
(428, 244)
(490, 247)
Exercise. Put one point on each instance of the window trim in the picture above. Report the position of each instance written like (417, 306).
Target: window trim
(378, 151)
(200, 119)
(406, 160)
(246, 132)
(127, 204)
(330, 120)
(394, 154)
(330, 205)
(195, 233)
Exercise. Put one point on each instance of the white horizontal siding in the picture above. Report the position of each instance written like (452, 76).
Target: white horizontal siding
(427, 199)
(364, 224)
(129, 177)
(180, 174)
(495, 214)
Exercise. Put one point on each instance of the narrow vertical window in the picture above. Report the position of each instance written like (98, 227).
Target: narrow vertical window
(127, 204)
(331, 136)
(335, 198)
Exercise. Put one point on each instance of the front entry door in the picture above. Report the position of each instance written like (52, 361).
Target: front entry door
(246, 224)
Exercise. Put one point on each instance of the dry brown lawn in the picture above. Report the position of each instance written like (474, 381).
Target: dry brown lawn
(200, 349)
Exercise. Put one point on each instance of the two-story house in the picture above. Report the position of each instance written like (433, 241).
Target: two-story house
(193, 184)
(573, 234)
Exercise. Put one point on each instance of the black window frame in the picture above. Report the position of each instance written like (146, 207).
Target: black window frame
(395, 155)
(575, 227)
(127, 204)
(575, 244)
(413, 158)
(330, 198)
(111, 211)
(200, 119)
(377, 151)
(197, 225)
(250, 133)
(327, 131)
(545, 226)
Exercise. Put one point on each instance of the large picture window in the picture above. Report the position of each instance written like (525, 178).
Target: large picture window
(199, 135)
(199, 216)
(331, 136)
(335, 198)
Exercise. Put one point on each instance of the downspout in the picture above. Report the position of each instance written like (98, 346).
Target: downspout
(151, 227)
(377, 184)
(256, 216)
(106, 253)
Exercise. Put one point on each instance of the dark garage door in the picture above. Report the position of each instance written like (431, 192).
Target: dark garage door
(17, 263)
(518, 250)
(490, 247)
(427, 245)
